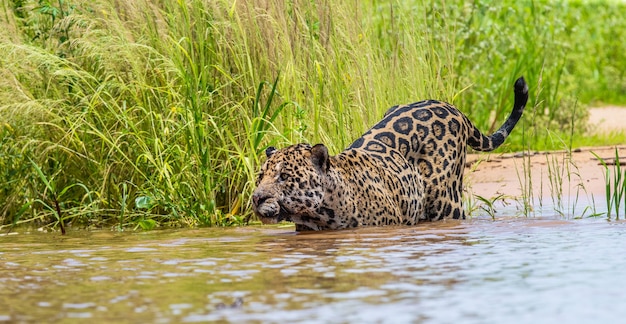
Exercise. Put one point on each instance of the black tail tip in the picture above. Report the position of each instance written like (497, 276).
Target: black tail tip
(521, 86)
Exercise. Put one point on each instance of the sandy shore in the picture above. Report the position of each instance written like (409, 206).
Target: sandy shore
(491, 175)
(609, 118)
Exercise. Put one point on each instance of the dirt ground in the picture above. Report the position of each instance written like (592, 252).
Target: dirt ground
(490, 175)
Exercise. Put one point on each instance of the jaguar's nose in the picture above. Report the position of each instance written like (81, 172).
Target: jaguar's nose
(258, 198)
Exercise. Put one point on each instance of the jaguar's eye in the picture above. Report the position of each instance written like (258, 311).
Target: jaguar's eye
(284, 176)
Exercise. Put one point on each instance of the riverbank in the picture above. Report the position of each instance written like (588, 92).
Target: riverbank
(508, 174)
(548, 173)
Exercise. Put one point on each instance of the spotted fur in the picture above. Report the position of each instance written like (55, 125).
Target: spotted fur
(407, 168)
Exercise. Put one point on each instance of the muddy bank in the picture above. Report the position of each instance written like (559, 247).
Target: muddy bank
(490, 175)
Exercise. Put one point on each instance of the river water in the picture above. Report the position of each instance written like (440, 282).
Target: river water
(508, 270)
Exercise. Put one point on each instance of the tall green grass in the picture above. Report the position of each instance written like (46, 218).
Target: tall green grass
(145, 114)
(615, 185)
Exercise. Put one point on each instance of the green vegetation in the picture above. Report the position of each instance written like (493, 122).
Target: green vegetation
(139, 114)
(615, 185)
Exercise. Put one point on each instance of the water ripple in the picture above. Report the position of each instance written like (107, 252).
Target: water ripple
(509, 270)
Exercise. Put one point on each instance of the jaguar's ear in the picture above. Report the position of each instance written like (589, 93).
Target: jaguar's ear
(319, 155)
(270, 151)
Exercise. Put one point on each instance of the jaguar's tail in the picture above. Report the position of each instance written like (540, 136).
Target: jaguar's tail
(481, 142)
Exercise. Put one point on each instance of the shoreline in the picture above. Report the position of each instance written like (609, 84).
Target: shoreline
(551, 173)
(559, 173)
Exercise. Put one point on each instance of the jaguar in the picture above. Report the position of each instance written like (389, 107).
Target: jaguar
(406, 169)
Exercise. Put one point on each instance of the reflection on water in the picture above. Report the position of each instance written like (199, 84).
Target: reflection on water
(503, 271)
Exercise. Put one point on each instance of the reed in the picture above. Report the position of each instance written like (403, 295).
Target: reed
(615, 185)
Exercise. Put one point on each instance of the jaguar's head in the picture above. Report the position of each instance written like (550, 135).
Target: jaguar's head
(290, 184)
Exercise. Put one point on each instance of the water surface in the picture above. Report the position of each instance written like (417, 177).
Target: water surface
(511, 270)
